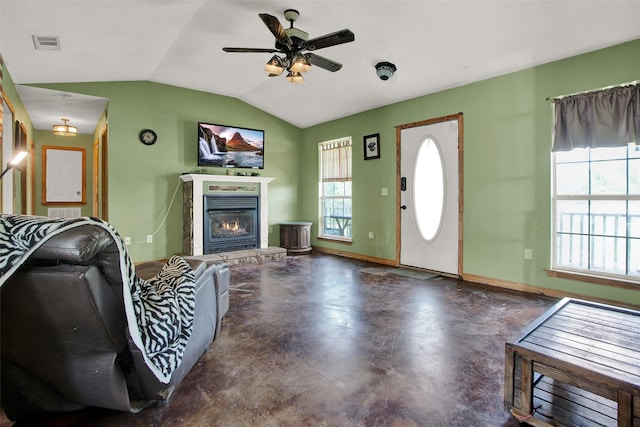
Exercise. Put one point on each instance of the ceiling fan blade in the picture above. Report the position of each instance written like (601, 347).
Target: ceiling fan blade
(248, 49)
(276, 28)
(322, 62)
(339, 37)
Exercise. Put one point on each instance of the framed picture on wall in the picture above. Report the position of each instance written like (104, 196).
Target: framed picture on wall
(372, 146)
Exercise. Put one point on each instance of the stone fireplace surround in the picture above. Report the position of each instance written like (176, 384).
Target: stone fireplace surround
(193, 207)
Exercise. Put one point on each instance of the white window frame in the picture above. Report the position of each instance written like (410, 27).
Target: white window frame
(589, 271)
(321, 196)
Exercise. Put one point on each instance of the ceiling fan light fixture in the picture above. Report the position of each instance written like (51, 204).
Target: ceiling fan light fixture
(295, 77)
(291, 45)
(300, 64)
(275, 66)
(65, 129)
(385, 70)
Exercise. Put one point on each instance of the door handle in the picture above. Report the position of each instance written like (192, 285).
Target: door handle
(403, 207)
(403, 183)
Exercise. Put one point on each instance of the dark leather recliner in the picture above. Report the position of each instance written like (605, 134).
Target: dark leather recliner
(65, 341)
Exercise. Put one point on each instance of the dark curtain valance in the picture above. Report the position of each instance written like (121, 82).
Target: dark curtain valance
(606, 118)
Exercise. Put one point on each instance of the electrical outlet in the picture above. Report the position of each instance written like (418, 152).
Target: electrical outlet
(127, 240)
(149, 238)
(528, 253)
(384, 191)
(371, 235)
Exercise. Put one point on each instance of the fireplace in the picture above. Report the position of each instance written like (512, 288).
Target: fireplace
(196, 186)
(231, 223)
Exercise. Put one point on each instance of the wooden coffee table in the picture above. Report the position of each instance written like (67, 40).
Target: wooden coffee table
(578, 364)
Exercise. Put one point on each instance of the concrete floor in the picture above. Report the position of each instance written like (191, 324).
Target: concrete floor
(319, 340)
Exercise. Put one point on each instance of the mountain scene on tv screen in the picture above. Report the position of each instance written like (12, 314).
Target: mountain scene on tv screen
(236, 143)
(231, 147)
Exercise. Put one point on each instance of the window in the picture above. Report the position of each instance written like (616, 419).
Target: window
(597, 211)
(335, 189)
(596, 184)
(428, 189)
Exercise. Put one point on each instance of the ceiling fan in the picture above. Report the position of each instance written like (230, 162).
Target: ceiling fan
(295, 45)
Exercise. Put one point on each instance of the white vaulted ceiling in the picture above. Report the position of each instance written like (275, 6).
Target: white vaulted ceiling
(434, 44)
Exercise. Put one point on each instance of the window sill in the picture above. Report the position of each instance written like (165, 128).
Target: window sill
(335, 239)
(597, 280)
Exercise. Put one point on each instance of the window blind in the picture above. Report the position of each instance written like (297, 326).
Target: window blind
(336, 159)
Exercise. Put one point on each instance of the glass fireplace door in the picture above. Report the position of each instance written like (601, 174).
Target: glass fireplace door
(231, 223)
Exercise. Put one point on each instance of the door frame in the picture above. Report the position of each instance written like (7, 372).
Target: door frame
(22, 139)
(460, 118)
(104, 172)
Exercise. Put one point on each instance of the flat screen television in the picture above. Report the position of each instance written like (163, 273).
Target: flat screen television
(230, 146)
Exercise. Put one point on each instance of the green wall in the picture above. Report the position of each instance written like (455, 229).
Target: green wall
(507, 159)
(507, 139)
(143, 179)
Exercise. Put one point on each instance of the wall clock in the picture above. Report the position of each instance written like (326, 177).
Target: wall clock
(148, 137)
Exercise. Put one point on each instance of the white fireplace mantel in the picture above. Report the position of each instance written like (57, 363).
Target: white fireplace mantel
(198, 204)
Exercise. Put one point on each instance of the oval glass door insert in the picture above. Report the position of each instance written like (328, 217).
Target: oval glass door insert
(428, 189)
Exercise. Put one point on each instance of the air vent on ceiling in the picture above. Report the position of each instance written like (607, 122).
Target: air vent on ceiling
(46, 42)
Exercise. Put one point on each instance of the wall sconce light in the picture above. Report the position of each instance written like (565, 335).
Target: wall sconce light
(14, 162)
(65, 129)
(385, 70)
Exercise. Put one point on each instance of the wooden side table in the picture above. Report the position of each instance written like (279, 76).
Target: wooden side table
(577, 364)
(295, 237)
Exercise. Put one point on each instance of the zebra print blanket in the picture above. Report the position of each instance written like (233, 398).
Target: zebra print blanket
(159, 310)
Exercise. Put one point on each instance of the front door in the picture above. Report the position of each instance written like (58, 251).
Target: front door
(429, 196)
